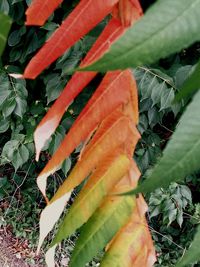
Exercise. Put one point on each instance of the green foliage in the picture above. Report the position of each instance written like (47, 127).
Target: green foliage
(181, 156)
(192, 84)
(192, 255)
(5, 23)
(157, 88)
(170, 204)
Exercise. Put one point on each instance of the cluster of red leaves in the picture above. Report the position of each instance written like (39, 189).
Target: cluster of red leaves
(107, 126)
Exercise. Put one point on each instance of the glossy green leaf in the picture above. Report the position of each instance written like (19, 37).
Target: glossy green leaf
(192, 255)
(191, 85)
(5, 23)
(182, 154)
(166, 28)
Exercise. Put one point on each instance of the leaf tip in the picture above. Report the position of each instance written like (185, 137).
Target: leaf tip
(16, 75)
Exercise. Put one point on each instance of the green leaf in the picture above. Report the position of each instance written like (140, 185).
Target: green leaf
(4, 125)
(13, 96)
(191, 85)
(9, 148)
(166, 99)
(92, 194)
(101, 228)
(54, 87)
(181, 156)
(4, 6)
(8, 107)
(20, 107)
(66, 166)
(14, 38)
(20, 157)
(157, 92)
(192, 254)
(5, 23)
(156, 35)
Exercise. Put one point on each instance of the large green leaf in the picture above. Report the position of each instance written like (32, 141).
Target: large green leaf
(101, 228)
(182, 154)
(166, 28)
(193, 253)
(191, 85)
(5, 23)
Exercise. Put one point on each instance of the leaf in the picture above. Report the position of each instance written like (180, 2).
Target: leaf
(5, 22)
(110, 140)
(166, 99)
(15, 37)
(40, 10)
(20, 156)
(191, 84)
(83, 18)
(8, 107)
(4, 93)
(78, 81)
(5, 123)
(54, 88)
(152, 37)
(20, 107)
(128, 12)
(181, 156)
(103, 225)
(157, 92)
(192, 254)
(112, 92)
(98, 186)
(9, 148)
(4, 6)
(132, 246)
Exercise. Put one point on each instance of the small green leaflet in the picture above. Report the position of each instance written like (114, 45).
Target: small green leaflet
(191, 85)
(193, 253)
(5, 22)
(156, 35)
(182, 154)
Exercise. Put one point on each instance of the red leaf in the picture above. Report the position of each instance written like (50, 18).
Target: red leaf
(111, 140)
(128, 13)
(136, 4)
(132, 244)
(86, 15)
(112, 92)
(78, 81)
(40, 10)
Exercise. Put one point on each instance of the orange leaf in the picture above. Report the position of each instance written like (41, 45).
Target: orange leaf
(40, 10)
(86, 15)
(109, 141)
(128, 12)
(112, 141)
(136, 4)
(78, 81)
(112, 92)
(132, 246)
(99, 184)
